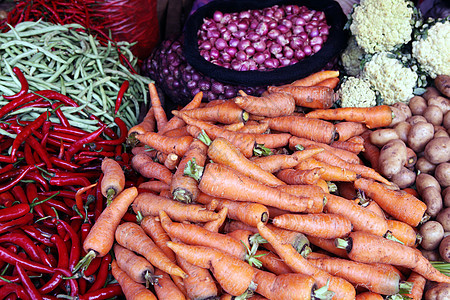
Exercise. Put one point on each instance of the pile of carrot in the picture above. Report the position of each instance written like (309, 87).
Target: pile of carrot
(259, 198)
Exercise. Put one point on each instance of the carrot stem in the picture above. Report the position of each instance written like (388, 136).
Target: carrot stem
(323, 292)
(261, 150)
(193, 170)
(443, 267)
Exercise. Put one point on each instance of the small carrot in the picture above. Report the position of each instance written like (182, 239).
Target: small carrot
(272, 140)
(152, 227)
(331, 173)
(215, 225)
(296, 239)
(177, 132)
(401, 205)
(144, 165)
(131, 289)
(317, 130)
(234, 275)
(405, 233)
(369, 296)
(166, 288)
(136, 266)
(327, 245)
(347, 129)
(171, 161)
(329, 82)
(354, 144)
(272, 105)
(319, 225)
(371, 152)
(227, 112)
(100, 238)
(158, 110)
(131, 236)
(166, 144)
(342, 288)
(147, 124)
(308, 96)
(234, 126)
(254, 127)
(316, 78)
(373, 117)
(149, 204)
(272, 262)
(294, 176)
(418, 282)
(368, 248)
(154, 186)
(113, 181)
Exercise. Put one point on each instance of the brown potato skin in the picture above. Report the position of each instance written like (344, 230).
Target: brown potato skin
(442, 83)
(424, 166)
(402, 130)
(416, 119)
(446, 120)
(444, 251)
(405, 178)
(441, 102)
(431, 255)
(419, 135)
(432, 233)
(446, 196)
(437, 150)
(439, 291)
(393, 156)
(433, 199)
(401, 113)
(431, 92)
(443, 217)
(380, 137)
(433, 114)
(442, 174)
(440, 131)
(417, 105)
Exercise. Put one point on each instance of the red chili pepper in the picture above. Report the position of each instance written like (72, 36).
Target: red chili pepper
(93, 266)
(6, 168)
(19, 194)
(13, 259)
(61, 193)
(69, 181)
(6, 159)
(37, 235)
(68, 130)
(53, 95)
(73, 282)
(93, 153)
(24, 242)
(99, 201)
(107, 292)
(79, 198)
(60, 206)
(40, 150)
(109, 132)
(102, 274)
(36, 177)
(123, 134)
(66, 165)
(23, 220)
(75, 147)
(123, 89)
(62, 118)
(7, 199)
(63, 136)
(27, 283)
(33, 197)
(24, 85)
(17, 289)
(28, 153)
(75, 250)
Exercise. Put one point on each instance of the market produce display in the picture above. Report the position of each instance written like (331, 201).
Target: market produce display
(334, 185)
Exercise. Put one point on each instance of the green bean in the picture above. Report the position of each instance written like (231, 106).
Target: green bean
(33, 46)
(8, 134)
(5, 90)
(23, 55)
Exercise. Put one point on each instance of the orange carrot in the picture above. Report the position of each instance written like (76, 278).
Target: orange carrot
(234, 275)
(407, 234)
(148, 124)
(171, 161)
(418, 282)
(401, 205)
(215, 225)
(113, 181)
(308, 96)
(272, 105)
(374, 207)
(100, 238)
(369, 296)
(236, 186)
(368, 248)
(293, 176)
(254, 127)
(342, 288)
(177, 132)
(317, 130)
(131, 289)
(272, 140)
(355, 147)
(158, 110)
(305, 190)
(327, 187)
(227, 112)
(296, 239)
(331, 173)
(166, 288)
(234, 126)
(166, 144)
(272, 262)
(136, 266)
(347, 190)
(132, 236)
(153, 228)
(149, 204)
(145, 166)
(329, 82)
(346, 129)
(327, 245)
(320, 225)
(316, 78)
(223, 152)
(373, 117)
(371, 152)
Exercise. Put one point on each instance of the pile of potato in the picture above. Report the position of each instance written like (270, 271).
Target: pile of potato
(415, 151)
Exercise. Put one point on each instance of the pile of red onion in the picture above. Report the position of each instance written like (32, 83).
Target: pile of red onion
(264, 39)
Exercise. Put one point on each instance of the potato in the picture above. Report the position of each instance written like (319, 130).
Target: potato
(440, 131)
(446, 120)
(433, 114)
(392, 157)
(443, 217)
(430, 93)
(442, 83)
(424, 166)
(444, 251)
(380, 137)
(425, 180)
(431, 255)
(401, 112)
(404, 178)
(440, 291)
(441, 102)
(433, 199)
(419, 135)
(417, 105)
(437, 150)
(446, 196)
(432, 233)
(416, 119)
(402, 130)
(442, 174)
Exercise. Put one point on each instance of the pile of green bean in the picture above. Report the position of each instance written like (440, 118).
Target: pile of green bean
(64, 58)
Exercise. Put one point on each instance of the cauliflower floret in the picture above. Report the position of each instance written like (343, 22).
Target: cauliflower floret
(351, 57)
(390, 78)
(380, 25)
(433, 52)
(356, 92)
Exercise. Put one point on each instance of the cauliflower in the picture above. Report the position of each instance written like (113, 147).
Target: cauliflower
(351, 57)
(356, 92)
(381, 25)
(389, 78)
(433, 51)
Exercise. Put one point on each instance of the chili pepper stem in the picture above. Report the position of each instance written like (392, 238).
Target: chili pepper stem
(85, 261)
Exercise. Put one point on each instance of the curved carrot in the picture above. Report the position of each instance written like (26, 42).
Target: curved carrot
(166, 144)
(418, 282)
(316, 78)
(113, 181)
(346, 129)
(296, 239)
(227, 112)
(371, 152)
(131, 289)
(329, 82)
(166, 288)
(401, 205)
(254, 127)
(215, 225)
(147, 124)
(132, 236)
(271, 105)
(356, 147)
(331, 173)
(294, 176)
(369, 296)
(234, 126)
(308, 96)
(144, 165)
(407, 234)
(372, 117)
(272, 140)
(177, 132)
(272, 262)
(152, 227)
(158, 110)
(327, 245)
(154, 186)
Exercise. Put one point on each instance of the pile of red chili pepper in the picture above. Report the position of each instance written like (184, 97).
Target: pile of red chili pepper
(50, 196)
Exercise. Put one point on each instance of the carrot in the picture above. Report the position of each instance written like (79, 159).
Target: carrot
(316, 78)
(296, 239)
(236, 186)
(356, 147)
(294, 176)
(401, 205)
(309, 190)
(185, 188)
(234, 126)
(348, 129)
(136, 266)
(373, 117)
(227, 112)
(147, 124)
(361, 218)
(223, 152)
(407, 234)
(176, 122)
(308, 96)
(100, 238)
(149, 204)
(272, 105)
(272, 262)
(132, 236)
(369, 296)
(418, 282)
(254, 127)
(247, 212)
(177, 132)
(171, 161)
(131, 289)
(285, 286)
(374, 279)
(329, 82)
(342, 288)
(374, 207)
(272, 140)
(166, 288)
(317, 130)
(327, 187)
(153, 228)
(145, 166)
(411, 191)
(166, 144)
(232, 225)
(327, 245)
(368, 248)
(347, 190)
(158, 110)
(331, 173)
(113, 181)
(371, 152)
(320, 225)
(234, 275)
(215, 225)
